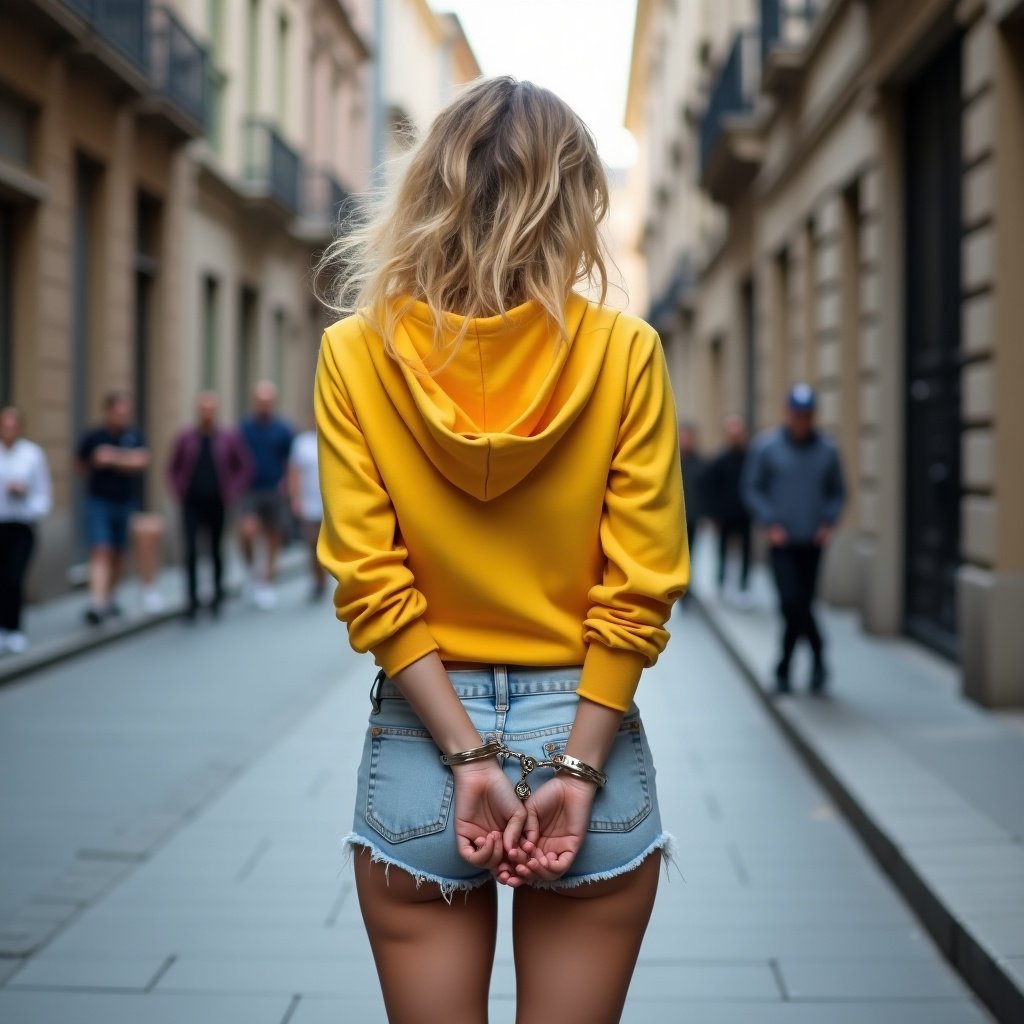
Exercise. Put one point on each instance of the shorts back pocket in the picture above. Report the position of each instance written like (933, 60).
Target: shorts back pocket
(625, 800)
(409, 792)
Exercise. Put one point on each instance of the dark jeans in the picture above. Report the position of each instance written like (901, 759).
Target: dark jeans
(795, 567)
(16, 543)
(726, 532)
(203, 517)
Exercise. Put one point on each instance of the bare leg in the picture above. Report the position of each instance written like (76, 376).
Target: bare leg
(147, 534)
(272, 538)
(248, 527)
(433, 958)
(583, 977)
(100, 575)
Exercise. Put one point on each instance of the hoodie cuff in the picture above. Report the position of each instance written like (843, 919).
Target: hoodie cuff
(610, 676)
(409, 644)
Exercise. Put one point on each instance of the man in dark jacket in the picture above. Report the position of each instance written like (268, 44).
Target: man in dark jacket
(692, 466)
(725, 502)
(793, 485)
(210, 469)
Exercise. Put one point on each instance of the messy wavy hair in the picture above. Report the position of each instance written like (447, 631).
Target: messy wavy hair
(501, 202)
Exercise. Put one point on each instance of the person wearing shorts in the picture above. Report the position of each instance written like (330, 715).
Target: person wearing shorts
(503, 515)
(112, 458)
(264, 507)
(307, 505)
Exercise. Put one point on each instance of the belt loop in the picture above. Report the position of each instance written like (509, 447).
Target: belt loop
(375, 688)
(501, 688)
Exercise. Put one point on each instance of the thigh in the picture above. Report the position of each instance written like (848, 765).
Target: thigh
(120, 520)
(99, 523)
(575, 949)
(787, 580)
(433, 955)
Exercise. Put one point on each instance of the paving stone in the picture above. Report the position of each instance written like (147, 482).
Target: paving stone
(9, 966)
(305, 975)
(89, 972)
(640, 1011)
(96, 1008)
(868, 978)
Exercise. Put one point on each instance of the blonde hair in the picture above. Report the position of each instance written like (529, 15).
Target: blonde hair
(501, 202)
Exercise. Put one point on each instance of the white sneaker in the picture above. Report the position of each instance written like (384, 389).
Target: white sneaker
(152, 601)
(250, 591)
(16, 643)
(3, 641)
(266, 598)
(743, 600)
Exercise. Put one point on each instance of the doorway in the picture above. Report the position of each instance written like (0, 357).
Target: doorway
(932, 117)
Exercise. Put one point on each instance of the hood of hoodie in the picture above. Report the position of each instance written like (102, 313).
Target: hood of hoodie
(507, 397)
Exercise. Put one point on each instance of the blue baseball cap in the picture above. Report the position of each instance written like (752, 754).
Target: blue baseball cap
(801, 398)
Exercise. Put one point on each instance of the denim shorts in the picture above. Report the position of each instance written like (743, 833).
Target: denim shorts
(404, 809)
(106, 522)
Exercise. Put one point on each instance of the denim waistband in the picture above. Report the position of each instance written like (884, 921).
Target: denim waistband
(498, 681)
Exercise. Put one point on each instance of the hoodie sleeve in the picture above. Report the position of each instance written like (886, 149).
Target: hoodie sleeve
(360, 544)
(754, 485)
(643, 537)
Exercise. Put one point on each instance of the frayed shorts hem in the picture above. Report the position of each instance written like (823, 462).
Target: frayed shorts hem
(666, 843)
(448, 886)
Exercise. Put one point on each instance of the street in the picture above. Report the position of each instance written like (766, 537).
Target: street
(173, 804)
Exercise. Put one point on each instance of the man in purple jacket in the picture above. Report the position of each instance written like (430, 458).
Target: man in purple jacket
(210, 469)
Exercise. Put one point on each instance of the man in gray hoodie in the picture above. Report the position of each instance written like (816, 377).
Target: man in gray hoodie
(793, 485)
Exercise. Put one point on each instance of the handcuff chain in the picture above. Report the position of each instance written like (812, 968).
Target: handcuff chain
(527, 763)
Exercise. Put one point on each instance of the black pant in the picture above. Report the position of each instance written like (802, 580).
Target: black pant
(206, 517)
(16, 543)
(726, 531)
(795, 567)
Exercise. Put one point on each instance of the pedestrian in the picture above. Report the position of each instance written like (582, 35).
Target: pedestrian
(307, 505)
(726, 507)
(25, 498)
(209, 470)
(693, 467)
(793, 486)
(265, 505)
(503, 515)
(112, 458)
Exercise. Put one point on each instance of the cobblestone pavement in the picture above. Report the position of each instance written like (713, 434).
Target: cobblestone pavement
(172, 806)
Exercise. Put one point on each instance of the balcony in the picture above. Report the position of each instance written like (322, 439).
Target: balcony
(676, 297)
(730, 143)
(271, 169)
(785, 28)
(180, 70)
(326, 206)
(114, 35)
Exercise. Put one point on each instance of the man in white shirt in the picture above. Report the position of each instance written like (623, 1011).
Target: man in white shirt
(307, 505)
(25, 498)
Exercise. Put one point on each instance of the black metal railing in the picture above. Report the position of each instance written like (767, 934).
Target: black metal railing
(179, 63)
(786, 23)
(733, 92)
(124, 24)
(271, 165)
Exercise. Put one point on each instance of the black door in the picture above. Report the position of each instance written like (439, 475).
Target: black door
(933, 228)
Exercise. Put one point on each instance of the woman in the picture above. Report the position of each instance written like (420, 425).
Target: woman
(25, 498)
(503, 515)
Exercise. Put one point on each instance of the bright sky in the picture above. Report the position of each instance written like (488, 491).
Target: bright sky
(579, 49)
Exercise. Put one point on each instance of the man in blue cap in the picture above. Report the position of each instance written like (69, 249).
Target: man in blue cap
(793, 485)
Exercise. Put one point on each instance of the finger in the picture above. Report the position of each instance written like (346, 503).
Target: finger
(477, 851)
(531, 828)
(514, 830)
(496, 850)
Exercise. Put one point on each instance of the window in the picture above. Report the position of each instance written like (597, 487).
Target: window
(6, 301)
(211, 317)
(252, 63)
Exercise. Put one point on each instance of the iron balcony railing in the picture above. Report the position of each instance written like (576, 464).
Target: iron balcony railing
(271, 165)
(124, 24)
(325, 201)
(180, 65)
(733, 92)
(786, 23)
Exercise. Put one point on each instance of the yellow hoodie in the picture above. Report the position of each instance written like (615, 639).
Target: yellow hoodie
(523, 506)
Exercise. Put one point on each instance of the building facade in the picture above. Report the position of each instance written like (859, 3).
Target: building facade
(169, 172)
(866, 160)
